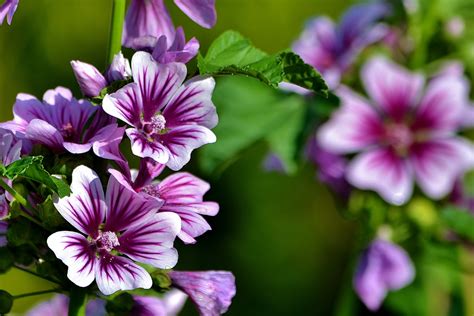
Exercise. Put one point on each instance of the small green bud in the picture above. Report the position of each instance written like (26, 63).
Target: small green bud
(6, 302)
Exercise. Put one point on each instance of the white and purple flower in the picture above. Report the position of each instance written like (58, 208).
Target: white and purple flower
(331, 49)
(91, 81)
(211, 291)
(62, 123)
(170, 118)
(148, 20)
(406, 133)
(7, 10)
(132, 227)
(383, 267)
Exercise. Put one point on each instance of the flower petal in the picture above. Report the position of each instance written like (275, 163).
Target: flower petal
(394, 89)
(355, 126)
(203, 12)
(119, 68)
(211, 291)
(152, 242)
(438, 163)
(7, 9)
(90, 80)
(115, 273)
(125, 104)
(149, 170)
(85, 208)
(42, 132)
(443, 105)
(182, 187)
(74, 251)
(107, 141)
(182, 140)
(157, 82)
(126, 208)
(366, 170)
(192, 104)
(145, 148)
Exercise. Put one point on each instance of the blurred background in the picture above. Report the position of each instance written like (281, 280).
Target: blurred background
(282, 236)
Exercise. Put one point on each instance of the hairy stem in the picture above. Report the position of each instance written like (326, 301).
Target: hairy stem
(116, 26)
(36, 293)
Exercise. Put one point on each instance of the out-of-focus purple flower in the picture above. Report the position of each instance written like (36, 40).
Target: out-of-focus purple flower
(10, 151)
(59, 305)
(132, 227)
(331, 49)
(169, 305)
(461, 198)
(91, 81)
(211, 291)
(60, 121)
(331, 168)
(7, 9)
(404, 134)
(3, 233)
(169, 118)
(383, 267)
(149, 19)
(274, 163)
(455, 26)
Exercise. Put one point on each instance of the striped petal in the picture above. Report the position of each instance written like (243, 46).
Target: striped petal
(125, 104)
(203, 12)
(146, 148)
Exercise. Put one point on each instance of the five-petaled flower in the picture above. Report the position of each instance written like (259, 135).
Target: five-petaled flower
(404, 134)
(132, 227)
(170, 119)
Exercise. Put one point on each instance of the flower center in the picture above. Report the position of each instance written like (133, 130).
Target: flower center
(67, 130)
(151, 190)
(157, 126)
(107, 241)
(399, 137)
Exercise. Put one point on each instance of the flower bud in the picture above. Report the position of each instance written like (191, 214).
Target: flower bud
(90, 80)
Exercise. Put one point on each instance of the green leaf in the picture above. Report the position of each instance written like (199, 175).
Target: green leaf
(22, 232)
(233, 54)
(6, 260)
(6, 302)
(121, 305)
(48, 214)
(460, 221)
(32, 168)
(248, 112)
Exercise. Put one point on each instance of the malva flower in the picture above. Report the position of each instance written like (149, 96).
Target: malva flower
(404, 134)
(331, 49)
(59, 306)
(169, 119)
(210, 291)
(62, 123)
(132, 227)
(181, 193)
(178, 51)
(169, 305)
(91, 81)
(383, 267)
(149, 19)
(7, 10)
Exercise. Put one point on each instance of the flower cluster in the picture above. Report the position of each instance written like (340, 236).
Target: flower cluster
(114, 228)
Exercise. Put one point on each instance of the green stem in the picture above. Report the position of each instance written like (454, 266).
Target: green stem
(36, 274)
(116, 26)
(78, 302)
(36, 293)
(20, 199)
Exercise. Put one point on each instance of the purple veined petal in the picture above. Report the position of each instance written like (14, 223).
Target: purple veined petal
(115, 273)
(192, 104)
(160, 49)
(182, 140)
(57, 306)
(57, 95)
(152, 241)
(149, 170)
(442, 108)
(182, 187)
(353, 127)
(146, 19)
(203, 12)
(398, 268)
(106, 142)
(74, 250)
(438, 163)
(74, 148)
(179, 51)
(10, 149)
(211, 291)
(7, 10)
(394, 89)
(85, 208)
(126, 208)
(4, 207)
(125, 104)
(42, 132)
(169, 305)
(27, 108)
(119, 68)
(367, 169)
(157, 82)
(145, 148)
(193, 225)
(174, 301)
(90, 80)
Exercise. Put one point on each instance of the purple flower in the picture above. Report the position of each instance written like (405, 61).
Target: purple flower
(62, 123)
(170, 119)
(132, 227)
(211, 291)
(7, 9)
(91, 81)
(461, 198)
(3, 233)
(383, 267)
(149, 19)
(59, 305)
(331, 49)
(403, 134)
(10, 151)
(179, 51)
(169, 305)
